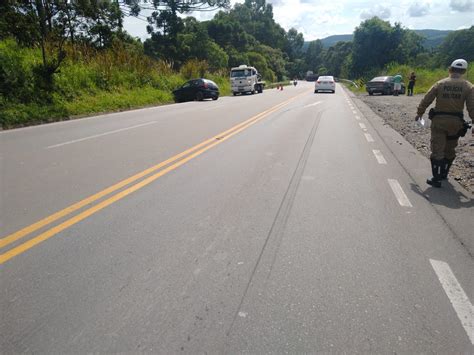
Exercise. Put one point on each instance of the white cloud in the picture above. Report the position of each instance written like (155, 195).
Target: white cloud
(419, 9)
(461, 5)
(382, 12)
(318, 19)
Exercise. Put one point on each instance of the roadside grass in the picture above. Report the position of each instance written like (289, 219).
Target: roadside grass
(89, 82)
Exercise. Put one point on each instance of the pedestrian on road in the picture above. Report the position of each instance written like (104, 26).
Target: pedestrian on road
(411, 83)
(397, 84)
(447, 124)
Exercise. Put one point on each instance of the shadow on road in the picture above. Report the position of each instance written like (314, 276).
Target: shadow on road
(446, 196)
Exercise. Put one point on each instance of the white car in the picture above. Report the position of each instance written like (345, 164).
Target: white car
(325, 83)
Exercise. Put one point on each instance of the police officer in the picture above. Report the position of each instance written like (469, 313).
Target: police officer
(447, 118)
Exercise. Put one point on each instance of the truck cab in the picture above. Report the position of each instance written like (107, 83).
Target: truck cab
(245, 79)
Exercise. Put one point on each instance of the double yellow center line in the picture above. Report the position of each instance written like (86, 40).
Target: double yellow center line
(158, 170)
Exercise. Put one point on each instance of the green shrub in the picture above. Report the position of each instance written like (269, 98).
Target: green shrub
(16, 76)
(194, 69)
(88, 81)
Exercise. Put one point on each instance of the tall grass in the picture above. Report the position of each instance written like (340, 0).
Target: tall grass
(425, 78)
(89, 81)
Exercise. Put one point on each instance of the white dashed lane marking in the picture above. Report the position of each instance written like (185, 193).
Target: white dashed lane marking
(361, 125)
(100, 135)
(369, 138)
(380, 158)
(456, 295)
(357, 117)
(399, 193)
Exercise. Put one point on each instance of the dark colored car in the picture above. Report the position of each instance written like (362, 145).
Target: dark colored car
(382, 85)
(196, 89)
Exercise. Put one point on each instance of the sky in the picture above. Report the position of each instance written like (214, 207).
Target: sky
(320, 19)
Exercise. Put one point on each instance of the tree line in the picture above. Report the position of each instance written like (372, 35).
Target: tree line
(246, 33)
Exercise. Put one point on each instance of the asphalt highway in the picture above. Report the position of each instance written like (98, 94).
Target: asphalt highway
(282, 222)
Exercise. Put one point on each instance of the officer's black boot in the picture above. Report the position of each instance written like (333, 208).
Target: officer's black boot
(437, 168)
(447, 166)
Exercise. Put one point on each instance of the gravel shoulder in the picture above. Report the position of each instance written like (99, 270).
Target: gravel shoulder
(399, 112)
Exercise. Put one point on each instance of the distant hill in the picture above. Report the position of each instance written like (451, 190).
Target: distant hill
(433, 38)
(332, 40)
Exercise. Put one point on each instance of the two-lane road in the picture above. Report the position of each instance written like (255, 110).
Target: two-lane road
(279, 222)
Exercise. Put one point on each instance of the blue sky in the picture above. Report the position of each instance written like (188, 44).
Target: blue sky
(319, 19)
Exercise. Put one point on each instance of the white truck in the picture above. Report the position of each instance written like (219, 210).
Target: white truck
(245, 79)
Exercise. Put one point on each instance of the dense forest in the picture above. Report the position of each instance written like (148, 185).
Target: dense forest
(55, 53)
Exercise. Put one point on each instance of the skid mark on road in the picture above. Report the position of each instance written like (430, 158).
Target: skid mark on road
(119, 190)
(456, 295)
(273, 240)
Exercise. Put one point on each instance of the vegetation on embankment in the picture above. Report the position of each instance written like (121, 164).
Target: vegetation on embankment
(425, 77)
(89, 81)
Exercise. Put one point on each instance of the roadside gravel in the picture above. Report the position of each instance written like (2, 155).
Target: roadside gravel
(399, 112)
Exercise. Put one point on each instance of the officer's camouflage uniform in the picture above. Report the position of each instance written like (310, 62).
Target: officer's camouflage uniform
(451, 94)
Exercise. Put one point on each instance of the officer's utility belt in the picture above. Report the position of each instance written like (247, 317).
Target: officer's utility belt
(465, 125)
(432, 113)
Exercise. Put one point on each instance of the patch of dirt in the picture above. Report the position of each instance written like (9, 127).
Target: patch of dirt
(399, 112)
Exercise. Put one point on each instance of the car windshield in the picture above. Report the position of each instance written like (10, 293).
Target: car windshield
(240, 73)
(380, 78)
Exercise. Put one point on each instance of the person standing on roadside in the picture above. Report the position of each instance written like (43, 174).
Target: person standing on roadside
(447, 124)
(397, 84)
(411, 83)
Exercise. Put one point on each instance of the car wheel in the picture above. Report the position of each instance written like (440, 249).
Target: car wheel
(371, 93)
(234, 93)
(199, 96)
(215, 98)
(315, 91)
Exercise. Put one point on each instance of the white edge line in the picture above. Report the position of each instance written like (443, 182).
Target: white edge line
(369, 138)
(379, 156)
(399, 193)
(456, 295)
(99, 135)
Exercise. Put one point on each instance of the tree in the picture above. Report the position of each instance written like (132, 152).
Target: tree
(226, 31)
(165, 24)
(336, 56)
(457, 44)
(256, 17)
(294, 44)
(195, 43)
(314, 56)
(258, 61)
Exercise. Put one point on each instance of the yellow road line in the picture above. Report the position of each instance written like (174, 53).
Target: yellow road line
(218, 139)
(70, 209)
